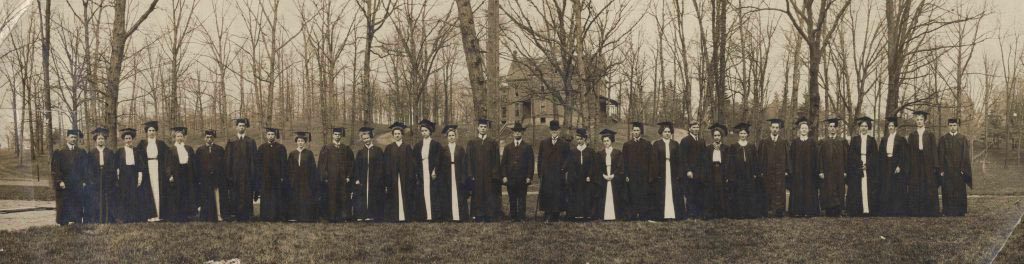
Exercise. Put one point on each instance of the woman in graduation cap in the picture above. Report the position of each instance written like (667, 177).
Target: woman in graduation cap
(745, 196)
(892, 170)
(454, 186)
(861, 179)
(181, 172)
(581, 172)
(803, 180)
(666, 176)
(610, 197)
(155, 153)
(100, 185)
(305, 180)
(428, 161)
(716, 164)
(133, 181)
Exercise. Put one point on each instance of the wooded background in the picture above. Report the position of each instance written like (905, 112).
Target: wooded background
(311, 65)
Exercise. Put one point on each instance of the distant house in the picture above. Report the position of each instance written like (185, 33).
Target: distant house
(526, 101)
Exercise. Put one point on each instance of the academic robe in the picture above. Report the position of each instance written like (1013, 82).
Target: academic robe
(773, 160)
(426, 172)
(922, 181)
(133, 186)
(100, 193)
(368, 197)
(666, 181)
(716, 173)
(893, 186)
(551, 158)
(636, 158)
(241, 181)
(401, 182)
(955, 163)
(454, 184)
(160, 183)
(832, 162)
(862, 172)
(272, 166)
(210, 178)
(484, 160)
(691, 154)
(616, 187)
(803, 178)
(69, 166)
(582, 171)
(181, 187)
(304, 187)
(335, 164)
(517, 166)
(743, 188)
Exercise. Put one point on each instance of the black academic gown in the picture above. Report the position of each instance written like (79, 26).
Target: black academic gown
(517, 167)
(420, 195)
(69, 166)
(400, 182)
(743, 188)
(617, 189)
(922, 181)
(858, 165)
(691, 155)
(582, 171)
(832, 162)
(716, 173)
(484, 161)
(272, 166)
(133, 187)
(100, 193)
(167, 196)
(241, 182)
(454, 184)
(893, 186)
(659, 179)
(803, 181)
(210, 178)
(955, 164)
(773, 160)
(368, 197)
(184, 175)
(551, 158)
(335, 166)
(636, 158)
(304, 188)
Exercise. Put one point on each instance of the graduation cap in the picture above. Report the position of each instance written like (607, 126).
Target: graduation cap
(953, 121)
(864, 119)
(894, 120)
(75, 132)
(367, 130)
(210, 132)
(303, 135)
(667, 124)
(428, 124)
(518, 127)
(720, 128)
(182, 130)
(448, 128)
(483, 121)
(242, 120)
(149, 124)
(921, 113)
(100, 131)
(637, 124)
(777, 121)
(397, 126)
(128, 131)
(582, 132)
(742, 127)
(338, 130)
(608, 133)
(277, 132)
(832, 121)
(554, 125)
(803, 120)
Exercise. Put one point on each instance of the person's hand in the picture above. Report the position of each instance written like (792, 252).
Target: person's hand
(821, 175)
(62, 185)
(171, 179)
(627, 179)
(357, 182)
(689, 174)
(897, 169)
(588, 179)
(139, 184)
(346, 180)
(942, 174)
(527, 180)
(433, 175)
(504, 180)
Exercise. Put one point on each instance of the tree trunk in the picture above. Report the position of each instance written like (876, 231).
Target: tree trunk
(474, 60)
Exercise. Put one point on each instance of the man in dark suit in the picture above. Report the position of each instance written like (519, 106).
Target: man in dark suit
(517, 172)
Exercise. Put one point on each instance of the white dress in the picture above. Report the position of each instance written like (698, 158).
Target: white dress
(425, 153)
(670, 206)
(454, 186)
(609, 199)
(864, 171)
(152, 151)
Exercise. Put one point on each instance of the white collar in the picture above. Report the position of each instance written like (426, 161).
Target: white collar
(338, 143)
(804, 138)
(609, 150)
(482, 137)
(179, 144)
(952, 134)
(518, 141)
(742, 143)
(398, 142)
(71, 146)
(240, 136)
(581, 147)
(101, 148)
(427, 140)
(667, 140)
(300, 149)
(637, 139)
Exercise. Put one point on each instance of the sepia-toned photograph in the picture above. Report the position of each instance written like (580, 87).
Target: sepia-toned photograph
(511, 131)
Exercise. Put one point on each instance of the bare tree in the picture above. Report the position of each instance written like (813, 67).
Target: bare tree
(179, 29)
(474, 58)
(375, 12)
(216, 38)
(119, 35)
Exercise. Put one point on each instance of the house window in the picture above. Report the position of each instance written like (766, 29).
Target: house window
(543, 120)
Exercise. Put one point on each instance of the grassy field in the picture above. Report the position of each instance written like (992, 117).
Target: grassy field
(970, 239)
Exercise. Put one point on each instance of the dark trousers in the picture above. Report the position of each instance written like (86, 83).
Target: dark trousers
(694, 198)
(517, 199)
